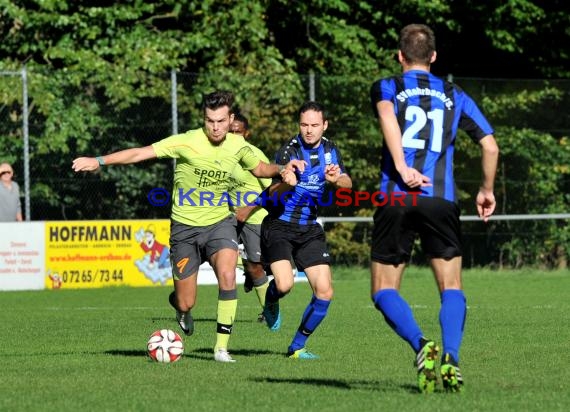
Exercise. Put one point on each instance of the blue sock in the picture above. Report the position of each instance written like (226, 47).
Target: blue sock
(313, 316)
(398, 315)
(452, 320)
(272, 294)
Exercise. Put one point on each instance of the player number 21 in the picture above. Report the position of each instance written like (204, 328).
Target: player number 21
(419, 119)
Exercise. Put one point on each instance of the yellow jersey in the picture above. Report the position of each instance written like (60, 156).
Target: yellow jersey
(245, 188)
(203, 172)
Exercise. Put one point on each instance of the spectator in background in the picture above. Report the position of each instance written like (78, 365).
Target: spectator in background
(10, 205)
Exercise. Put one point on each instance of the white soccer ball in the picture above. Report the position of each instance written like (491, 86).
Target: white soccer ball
(165, 346)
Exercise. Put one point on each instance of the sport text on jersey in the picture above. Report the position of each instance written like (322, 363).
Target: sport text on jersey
(209, 177)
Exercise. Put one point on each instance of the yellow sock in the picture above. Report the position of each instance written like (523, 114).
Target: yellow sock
(261, 290)
(226, 315)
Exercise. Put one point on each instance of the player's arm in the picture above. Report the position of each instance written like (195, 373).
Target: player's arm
(393, 138)
(334, 175)
(278, 188)
(271, 169)
(272, 195)
(243, 213)
(485, 199)
(122, 157)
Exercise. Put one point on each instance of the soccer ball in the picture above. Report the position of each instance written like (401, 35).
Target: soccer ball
(165, 346)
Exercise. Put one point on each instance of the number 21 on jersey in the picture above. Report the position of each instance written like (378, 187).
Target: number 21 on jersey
(419, 118)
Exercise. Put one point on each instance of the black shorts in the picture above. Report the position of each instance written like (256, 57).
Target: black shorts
(435, 220)
(282, 240)
(190, 246)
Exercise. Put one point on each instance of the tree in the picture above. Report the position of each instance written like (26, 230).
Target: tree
(100, 80)
(100, 73)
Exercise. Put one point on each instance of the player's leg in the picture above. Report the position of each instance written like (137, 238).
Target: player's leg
(251, 238)
(248, 281)
(183, 300)
(278, 287)
(225, 271)
(222, 250)
(441, 242)
(185, 261)
(385, 284)
(392, 241)
(398, 314)
(259, 280)
(276, 250)
(311, 255)
(320, 279)
(451, 318)
(242, 250)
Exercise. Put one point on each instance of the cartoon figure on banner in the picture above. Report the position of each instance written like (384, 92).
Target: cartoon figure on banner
(155, 264)
(55, 280)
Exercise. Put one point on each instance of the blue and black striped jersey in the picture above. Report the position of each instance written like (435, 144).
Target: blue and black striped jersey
(301, 204)
(429, 110)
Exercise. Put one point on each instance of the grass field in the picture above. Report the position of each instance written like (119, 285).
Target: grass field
(86, 350)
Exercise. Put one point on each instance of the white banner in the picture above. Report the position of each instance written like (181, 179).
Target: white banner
(22, 255)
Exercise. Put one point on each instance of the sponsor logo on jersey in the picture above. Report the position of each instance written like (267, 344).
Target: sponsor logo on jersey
(424, 91)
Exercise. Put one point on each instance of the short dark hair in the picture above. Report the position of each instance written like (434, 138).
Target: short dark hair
(217, 99)
(315, 106)
(417, 43)
(241, 118)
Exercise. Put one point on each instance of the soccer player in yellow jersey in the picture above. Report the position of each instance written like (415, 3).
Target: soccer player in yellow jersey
(202, 226)
(243, 193)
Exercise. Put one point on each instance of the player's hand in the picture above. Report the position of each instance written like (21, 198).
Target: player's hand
(486, 204)
(85, 164)
(289, 177)
(296, 164)
(412, 178)
(243, 213)
(332, 173)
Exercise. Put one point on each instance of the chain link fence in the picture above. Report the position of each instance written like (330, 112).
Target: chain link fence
(41, 147)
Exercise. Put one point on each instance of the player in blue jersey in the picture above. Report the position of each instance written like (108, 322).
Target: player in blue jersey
(291, 229)
(419, 115)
